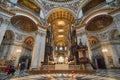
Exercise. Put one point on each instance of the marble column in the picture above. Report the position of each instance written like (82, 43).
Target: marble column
(38, 50)
(14, 54)
(5, 52)
(42, 52)
(115, 55)
(35, 53)
(3, 28)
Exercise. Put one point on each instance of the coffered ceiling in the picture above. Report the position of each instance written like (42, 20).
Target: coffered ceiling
(61, 14)
(61, 21)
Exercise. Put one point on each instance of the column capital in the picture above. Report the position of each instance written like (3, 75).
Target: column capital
(41, 32)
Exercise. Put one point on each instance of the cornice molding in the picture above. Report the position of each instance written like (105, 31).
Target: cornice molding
(114, 11)
(6, 11)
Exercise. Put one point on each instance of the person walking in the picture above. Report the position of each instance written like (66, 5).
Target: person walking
(7, 69)
(12, 70)
(22, 69)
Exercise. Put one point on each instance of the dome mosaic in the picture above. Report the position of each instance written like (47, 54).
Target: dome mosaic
(99, 23)
(23, 23)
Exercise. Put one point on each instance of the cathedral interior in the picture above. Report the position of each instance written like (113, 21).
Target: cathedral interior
(60, 34)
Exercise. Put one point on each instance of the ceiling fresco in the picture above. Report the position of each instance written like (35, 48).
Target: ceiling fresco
(23, 23)
(99, 22)
(60, 21)
(29, 4)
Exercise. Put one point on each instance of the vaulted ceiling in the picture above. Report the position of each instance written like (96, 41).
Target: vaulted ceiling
(61, 21)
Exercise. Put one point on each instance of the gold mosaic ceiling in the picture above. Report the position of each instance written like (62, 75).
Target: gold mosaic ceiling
(60, 21)
(61, 14)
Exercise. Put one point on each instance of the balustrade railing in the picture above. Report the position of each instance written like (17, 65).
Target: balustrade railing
(48, 67)
(52, 67)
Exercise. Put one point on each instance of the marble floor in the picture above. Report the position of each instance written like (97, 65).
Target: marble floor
(99, 75)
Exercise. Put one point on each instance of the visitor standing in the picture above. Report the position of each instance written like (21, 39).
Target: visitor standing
(7, 69)
(22, 69)
(12, 70)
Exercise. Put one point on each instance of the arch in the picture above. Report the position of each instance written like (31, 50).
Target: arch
(64, 41)
(60, 9)
(9, 35)
(6, 45)
(99, 23)
(23, 23)
(27, 14)
(95, 13)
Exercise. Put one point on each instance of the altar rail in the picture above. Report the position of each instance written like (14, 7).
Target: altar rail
(61, 72)
(71, 67)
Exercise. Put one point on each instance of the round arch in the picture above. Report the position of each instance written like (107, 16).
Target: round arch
(95, 13)
(24, 23)
(9, 35)
(99, 23)
(60, 8)
(27, 14)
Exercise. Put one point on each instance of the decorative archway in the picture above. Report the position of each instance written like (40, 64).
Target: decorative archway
(23, 23)
(26, 55)
(6, 45)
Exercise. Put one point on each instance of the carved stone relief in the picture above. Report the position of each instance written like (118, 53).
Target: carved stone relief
(19, 36)
(103, 36)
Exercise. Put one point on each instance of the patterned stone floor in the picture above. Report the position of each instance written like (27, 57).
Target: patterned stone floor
(99, 75)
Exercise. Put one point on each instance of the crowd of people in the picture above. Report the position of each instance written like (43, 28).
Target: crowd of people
(10, 69)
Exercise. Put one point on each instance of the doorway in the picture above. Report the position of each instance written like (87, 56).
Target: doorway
(100, 63)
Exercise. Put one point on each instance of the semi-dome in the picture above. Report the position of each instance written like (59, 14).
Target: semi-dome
(23, 23)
